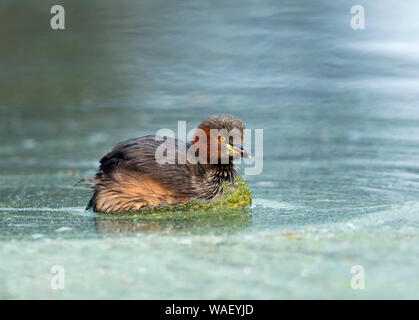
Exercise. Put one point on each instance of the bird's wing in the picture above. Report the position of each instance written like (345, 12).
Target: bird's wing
(160, 157)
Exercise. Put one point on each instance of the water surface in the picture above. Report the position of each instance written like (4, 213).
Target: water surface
(340, 184)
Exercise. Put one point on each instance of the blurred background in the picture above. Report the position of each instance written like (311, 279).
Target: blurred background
(339, 109)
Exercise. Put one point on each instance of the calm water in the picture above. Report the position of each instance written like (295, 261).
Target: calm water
(339, 109)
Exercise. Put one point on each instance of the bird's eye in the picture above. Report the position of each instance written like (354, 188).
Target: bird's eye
(222, 139)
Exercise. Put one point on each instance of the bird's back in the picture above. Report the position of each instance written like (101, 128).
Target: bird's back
(131, 176)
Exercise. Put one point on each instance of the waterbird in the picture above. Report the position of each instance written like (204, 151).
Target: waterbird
(152, 170)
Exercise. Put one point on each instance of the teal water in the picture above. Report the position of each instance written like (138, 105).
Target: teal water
(340, 183)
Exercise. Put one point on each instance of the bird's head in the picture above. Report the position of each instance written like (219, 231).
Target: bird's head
(219, 139)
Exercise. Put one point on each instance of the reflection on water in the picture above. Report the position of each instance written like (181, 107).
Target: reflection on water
(341, 126)
(172, 224)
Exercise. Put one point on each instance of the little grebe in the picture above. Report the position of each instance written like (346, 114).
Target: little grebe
(131, 177)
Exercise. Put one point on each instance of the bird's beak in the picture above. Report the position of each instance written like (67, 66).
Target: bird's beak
(240, 150)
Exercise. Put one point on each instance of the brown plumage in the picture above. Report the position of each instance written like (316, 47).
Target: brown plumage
(132, 176)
